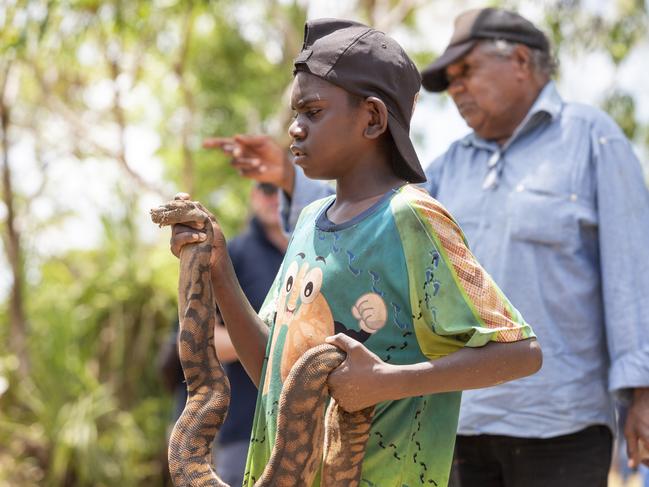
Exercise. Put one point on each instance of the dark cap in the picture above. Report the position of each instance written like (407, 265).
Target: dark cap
(475, 25)
(366, 62)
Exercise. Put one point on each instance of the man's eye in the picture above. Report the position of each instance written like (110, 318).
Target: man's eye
(313, 112)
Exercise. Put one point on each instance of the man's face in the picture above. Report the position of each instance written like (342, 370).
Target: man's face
(327, 136)
(487, 90)
(265, 205)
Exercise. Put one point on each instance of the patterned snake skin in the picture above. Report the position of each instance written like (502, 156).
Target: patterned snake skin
(303, 429)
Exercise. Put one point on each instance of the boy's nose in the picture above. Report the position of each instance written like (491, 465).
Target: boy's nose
(296, 130)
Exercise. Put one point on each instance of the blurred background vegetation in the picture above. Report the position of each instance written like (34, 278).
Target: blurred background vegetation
(109, 99)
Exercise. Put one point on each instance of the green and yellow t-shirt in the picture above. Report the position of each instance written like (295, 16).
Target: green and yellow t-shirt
(405, 266)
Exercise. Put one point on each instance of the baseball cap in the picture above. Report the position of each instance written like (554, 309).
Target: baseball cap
(475, 25)
(366, 62)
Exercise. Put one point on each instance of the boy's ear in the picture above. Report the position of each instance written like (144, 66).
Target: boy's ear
(378, 117)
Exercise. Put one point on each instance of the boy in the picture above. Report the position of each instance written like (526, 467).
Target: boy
(380, 270)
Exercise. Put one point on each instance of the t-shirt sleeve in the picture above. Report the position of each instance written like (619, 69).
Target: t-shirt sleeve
(454, 301)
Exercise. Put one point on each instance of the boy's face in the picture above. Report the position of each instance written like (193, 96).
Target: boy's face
(328, 131)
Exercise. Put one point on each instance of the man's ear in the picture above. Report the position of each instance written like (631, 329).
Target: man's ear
(377, 123)
(523, 61)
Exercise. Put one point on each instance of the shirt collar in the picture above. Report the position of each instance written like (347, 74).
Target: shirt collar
(547, 104)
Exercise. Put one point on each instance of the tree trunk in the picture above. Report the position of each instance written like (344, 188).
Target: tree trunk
(18, 321)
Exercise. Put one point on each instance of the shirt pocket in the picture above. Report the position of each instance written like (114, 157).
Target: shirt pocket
(547, 216)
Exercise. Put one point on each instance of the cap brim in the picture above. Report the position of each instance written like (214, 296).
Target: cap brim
(412, 169)
(433, 77)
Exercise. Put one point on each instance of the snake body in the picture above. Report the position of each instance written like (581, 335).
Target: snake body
(304, 431)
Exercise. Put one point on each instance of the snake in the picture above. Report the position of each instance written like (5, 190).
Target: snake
(314, 434)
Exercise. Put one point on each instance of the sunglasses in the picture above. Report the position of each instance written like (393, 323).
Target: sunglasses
(267, 188)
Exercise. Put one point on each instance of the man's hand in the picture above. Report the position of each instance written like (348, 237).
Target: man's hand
(358, 382)
(636, 429)
(257, 157)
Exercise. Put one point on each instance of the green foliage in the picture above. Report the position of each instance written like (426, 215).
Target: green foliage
(94, 397)
(92, 411)
(621, 107)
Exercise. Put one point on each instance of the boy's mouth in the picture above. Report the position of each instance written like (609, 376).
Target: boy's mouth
(297, 151)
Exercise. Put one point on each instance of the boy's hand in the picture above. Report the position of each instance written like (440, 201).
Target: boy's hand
(257, 157)
(186, 233)
(193, 229)
(358, 382)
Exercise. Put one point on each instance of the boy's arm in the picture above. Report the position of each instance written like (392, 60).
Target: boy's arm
(249, 334)
(363, 379)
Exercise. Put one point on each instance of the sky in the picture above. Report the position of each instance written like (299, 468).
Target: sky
(436, 123)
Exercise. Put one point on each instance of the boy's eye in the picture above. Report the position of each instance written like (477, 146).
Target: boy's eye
(313, 112)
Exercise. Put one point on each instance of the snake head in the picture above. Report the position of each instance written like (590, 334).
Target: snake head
(179, 211)
(193, 214)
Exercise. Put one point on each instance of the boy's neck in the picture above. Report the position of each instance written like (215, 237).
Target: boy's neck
(359, 189)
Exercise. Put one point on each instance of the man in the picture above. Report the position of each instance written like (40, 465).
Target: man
(552, 201)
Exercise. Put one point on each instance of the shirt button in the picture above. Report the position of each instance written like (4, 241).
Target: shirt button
(520, 188)
(573, 197)
(603, 140)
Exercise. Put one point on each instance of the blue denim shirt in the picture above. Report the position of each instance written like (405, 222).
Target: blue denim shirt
(559, 216)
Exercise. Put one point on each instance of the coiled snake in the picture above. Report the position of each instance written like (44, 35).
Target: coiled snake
(306, 437)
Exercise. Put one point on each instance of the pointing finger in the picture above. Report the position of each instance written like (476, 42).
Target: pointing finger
(251, 140)
(245, 162)
(226, 144)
